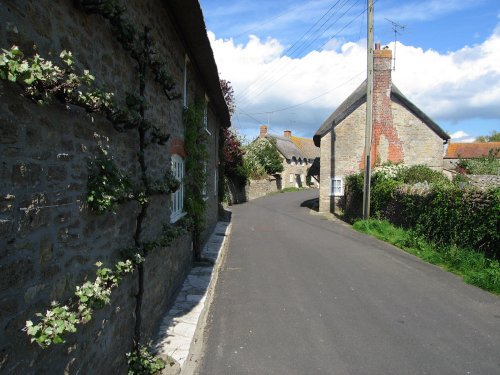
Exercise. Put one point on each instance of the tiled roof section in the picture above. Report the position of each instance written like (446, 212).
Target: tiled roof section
(307, 146)
(286, 147)
(471, 150)
(358, 97)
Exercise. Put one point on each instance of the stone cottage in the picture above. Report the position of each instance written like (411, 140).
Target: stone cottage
(297, 156)
(401, 133)
(156, 60)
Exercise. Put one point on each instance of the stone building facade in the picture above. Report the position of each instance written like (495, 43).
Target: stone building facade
(49, 238)
(297, 155)
(402, 133)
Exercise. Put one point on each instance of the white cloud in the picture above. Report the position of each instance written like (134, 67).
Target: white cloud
(458, 134)
(454, 86)
(461, 136)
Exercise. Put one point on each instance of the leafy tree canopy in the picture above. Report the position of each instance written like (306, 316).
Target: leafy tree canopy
(494, 137)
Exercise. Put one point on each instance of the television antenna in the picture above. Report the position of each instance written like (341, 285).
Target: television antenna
(397, 28)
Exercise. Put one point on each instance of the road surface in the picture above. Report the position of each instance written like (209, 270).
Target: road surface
(299, 294)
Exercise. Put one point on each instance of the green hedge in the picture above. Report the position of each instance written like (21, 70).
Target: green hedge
(441, 211)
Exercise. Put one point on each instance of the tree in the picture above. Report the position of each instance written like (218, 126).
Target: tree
(233, 154)
(262, 157)
(494, 137)
(228, 92)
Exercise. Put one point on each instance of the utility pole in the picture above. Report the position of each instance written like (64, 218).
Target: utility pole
(369, 115)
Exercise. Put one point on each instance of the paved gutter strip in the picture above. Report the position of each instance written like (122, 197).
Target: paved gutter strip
(179, 324)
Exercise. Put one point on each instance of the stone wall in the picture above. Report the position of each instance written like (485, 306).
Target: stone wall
(49, 239)
(259, 188)
(484, 181)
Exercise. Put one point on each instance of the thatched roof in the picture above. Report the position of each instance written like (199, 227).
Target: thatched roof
(306, 145)
(286, 147)
(358, 97)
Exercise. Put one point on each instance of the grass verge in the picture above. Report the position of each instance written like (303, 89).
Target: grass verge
(473, 266)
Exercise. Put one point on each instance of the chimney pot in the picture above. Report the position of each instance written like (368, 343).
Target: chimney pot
(287, 133)
(263, 131)
(377, 46)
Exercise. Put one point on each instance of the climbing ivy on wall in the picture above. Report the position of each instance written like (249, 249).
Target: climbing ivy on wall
(196, 166)
(43, 81)
(59, 320)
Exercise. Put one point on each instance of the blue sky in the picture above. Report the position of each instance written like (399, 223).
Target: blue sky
(446, 59)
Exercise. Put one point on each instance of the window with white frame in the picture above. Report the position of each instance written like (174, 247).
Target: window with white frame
(216, 180)
(337, 186)
(205, 181)
(205, 115)
(294, 161)
(292, 177)
(186, 83)
(177, 198)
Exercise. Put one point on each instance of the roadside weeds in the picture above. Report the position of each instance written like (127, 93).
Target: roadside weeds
(473, 266)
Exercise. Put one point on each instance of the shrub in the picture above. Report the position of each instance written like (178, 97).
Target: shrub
(261, 158)
(232, 153)
(443, 212)
(487, 165)
(422, 173)
(473, 266)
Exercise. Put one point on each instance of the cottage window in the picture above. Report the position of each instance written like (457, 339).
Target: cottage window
(205, 182)
(294, 161)
(216, 181)
(292, 177)
(205, 116)
(177, 198)
(337, 186)
(186, 83)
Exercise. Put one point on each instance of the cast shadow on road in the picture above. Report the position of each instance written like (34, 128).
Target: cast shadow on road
(312, 204)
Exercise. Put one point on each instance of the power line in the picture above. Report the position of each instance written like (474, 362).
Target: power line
(348, 24)
(301, 48)
(287, 51)
(249, 115)
(312, 99)
(269, 21)
(333, 36)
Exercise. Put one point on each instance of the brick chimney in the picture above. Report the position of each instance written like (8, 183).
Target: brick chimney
(382, 83)
(383, 125)
(287, 133)
(263, 131)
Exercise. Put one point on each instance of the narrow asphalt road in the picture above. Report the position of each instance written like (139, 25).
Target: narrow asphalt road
(299, 294)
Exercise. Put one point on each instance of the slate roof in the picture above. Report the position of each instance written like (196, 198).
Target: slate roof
(306, 145)
(357, 98)
(286, 147)
(189, 21)
(471, 150)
